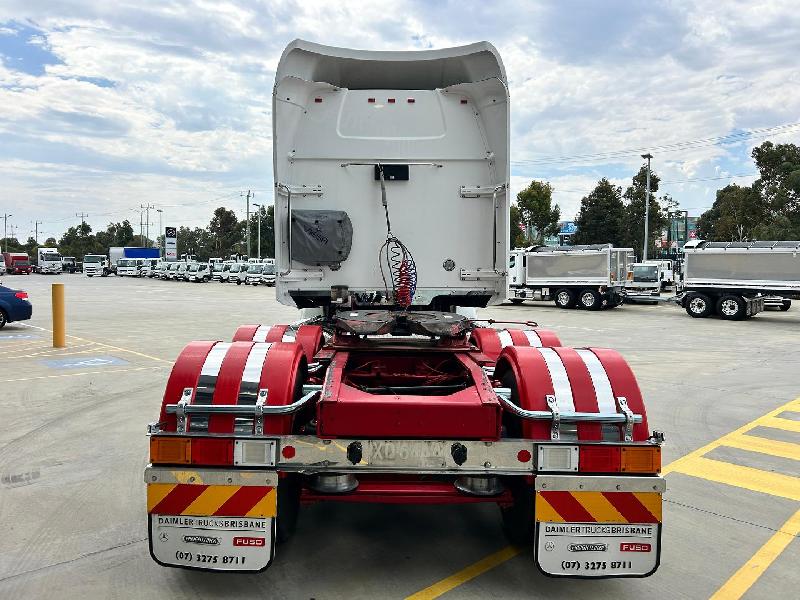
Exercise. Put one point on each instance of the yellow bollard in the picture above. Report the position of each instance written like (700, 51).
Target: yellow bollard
(59, 317)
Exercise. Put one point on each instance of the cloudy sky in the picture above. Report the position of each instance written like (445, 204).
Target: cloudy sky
(105, 106)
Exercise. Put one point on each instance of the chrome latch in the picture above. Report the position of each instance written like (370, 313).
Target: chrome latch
(180, 410)
(622, 404)
(555, 427)
(259, 414)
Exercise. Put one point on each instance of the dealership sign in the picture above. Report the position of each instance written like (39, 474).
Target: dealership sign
(171, 243)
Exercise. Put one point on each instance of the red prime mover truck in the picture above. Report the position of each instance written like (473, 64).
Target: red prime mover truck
(17, 263)
(391, 212)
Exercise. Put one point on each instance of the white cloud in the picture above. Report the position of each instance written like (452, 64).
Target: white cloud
(169, 102)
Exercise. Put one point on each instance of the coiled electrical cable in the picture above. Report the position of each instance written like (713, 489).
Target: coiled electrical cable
(396, 259)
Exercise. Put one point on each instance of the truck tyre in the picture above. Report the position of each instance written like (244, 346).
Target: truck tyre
(516, 301)
(731, 307)
(785, 305)
(698, 306)
(590, 299)
(3, 318)
(564, 298)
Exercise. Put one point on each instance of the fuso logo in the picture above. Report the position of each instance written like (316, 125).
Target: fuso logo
(634, 547)
(248, 541)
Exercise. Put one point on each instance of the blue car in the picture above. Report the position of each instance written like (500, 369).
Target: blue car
(14, 306)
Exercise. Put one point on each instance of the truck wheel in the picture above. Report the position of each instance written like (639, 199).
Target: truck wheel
(515, 300)
(591, 300)
(564, 298)
(732, 308)
(785, 305)
(698, 306)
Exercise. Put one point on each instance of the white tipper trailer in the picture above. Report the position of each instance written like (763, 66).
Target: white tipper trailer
(734, 279)
(590, 276)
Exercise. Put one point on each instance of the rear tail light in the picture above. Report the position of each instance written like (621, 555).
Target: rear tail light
(185, 451)
(212, 451)
(21, 295)
(646, 459)
(600, 458)
(171, 450)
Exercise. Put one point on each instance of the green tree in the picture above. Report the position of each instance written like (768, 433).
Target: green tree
(633, 224)
(517, 228)
(602, 216)
(779, 187)
(225, 232)
(267, 232)
(535, 203)
(196, 242)
(737, 213)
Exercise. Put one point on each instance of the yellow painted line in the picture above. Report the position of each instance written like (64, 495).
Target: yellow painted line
(118, 348)
(266, 507)
(748, 574)
(471, 572)
(156, 492)
(756, 480)
(759, 422)
(784, 424)
(107, 371)
(488, 563)
(753, 443)
(210, 500)
(48, 354)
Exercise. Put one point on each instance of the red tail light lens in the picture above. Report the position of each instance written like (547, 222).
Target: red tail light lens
(600, 459)
(212, 451)
(21, 295)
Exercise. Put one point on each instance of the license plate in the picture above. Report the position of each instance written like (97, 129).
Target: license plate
(598, 549)
(214, 543)
(398, 453)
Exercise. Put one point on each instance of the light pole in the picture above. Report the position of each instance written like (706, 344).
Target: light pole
(258, 206)
(160, 232)
(648, 156)
(5, 231)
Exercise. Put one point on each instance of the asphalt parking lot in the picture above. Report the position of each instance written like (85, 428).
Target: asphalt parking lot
(73, 448)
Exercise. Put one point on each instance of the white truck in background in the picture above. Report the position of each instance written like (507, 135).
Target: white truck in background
(96, 264)
(590, 277)
(48, 260)
(735, 279)
(646, 280)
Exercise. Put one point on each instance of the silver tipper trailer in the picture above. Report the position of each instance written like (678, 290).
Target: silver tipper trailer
(733, 279)
(590, 277)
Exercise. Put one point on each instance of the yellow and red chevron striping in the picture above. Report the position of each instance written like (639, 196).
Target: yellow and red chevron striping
(212, 500)
(598, 507)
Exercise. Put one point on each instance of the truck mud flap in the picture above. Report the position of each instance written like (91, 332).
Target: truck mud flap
(598, 527)
(212, 520)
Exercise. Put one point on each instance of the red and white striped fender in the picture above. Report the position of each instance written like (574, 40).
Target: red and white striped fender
(310, 337)
(232, 373)
(581, 379)
(492, 341)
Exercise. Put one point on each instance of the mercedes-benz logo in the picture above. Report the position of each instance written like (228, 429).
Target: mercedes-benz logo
(549, 546)
(163, 537)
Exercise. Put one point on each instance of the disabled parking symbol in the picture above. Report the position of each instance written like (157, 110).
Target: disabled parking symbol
(85, 362)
